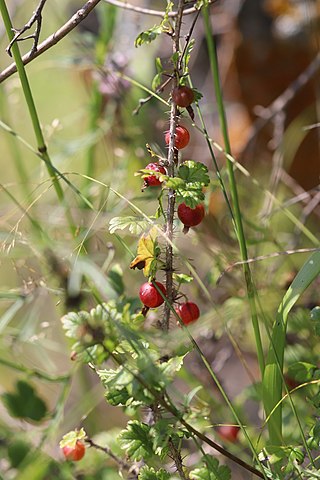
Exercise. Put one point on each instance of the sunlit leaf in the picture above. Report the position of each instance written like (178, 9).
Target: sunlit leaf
(146, 252)
(136, 225)
(149, 473)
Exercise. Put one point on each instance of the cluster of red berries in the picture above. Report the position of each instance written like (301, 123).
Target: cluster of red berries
(151, 297)
(152, 294)
(183, 96)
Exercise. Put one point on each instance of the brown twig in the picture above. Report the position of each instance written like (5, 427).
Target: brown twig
(53, 39)
(148, 11)
(282, 101)
(175, 454)
(130, 468)
(143, 101)
(36, 18)
(265, 257)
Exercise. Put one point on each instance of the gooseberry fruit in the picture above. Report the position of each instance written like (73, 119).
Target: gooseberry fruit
(188, 312)
(153, 180)
(181, 138)
(229, 432)
(183, 96)
(74, 453)
(149, 295)
(190, 217)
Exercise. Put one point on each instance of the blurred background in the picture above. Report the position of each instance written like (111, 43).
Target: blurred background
(87, 91)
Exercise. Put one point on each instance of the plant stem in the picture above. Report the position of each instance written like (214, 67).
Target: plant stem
(233, 187)
(32, 372)
(172, 158)
(42, 147)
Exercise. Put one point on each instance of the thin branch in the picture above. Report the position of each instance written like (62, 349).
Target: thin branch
(53, 39)
(36, 18)
(148, 11)
(282, 101)
(122, 464)
(265, 257)
(175, 454)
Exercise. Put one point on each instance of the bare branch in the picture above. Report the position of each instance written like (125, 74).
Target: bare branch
(36, 18)
(53, 39)
(148, 11)
(282, 101)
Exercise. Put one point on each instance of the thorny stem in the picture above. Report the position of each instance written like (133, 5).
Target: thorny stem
(172, 157)
(175, 454)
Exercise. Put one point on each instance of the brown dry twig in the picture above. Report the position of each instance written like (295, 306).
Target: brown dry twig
(36, 18)
(280, 103)
(130, 468)
(53, 39)
(148, 11)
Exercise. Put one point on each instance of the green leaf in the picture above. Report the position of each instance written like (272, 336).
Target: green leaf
(175, 58)
(272, 378)
(315, 317)
(136, 440)
(17, 452)
(115, 382)
(25, 403)
(156, 82)
(182, 278)
(175, 183)
(71, 438)
(197, 95)
(191, 197)
(302, 371)
(115, 276)
(194, 172)
(149, 473)
(148, 36)
(136, 225)
(193, 176)
(188, 54)
(211, 471)
(162, 431)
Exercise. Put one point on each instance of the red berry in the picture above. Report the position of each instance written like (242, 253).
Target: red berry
(153, 180)
(183, 96)
(229, 432)
(191, 217)
(188, 312)
(181, 139)
(149, 295)
(74, 453)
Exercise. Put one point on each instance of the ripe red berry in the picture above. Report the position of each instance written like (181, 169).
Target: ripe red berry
(74, 453)
(191, 217)
(183, 96)
(181, 139)
(188, 312)
(149, 295)
(229, 432)
(153, 180)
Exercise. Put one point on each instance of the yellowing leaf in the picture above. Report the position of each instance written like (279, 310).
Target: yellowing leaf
(146, 252)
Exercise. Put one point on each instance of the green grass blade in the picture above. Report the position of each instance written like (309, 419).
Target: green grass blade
(272, 379)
